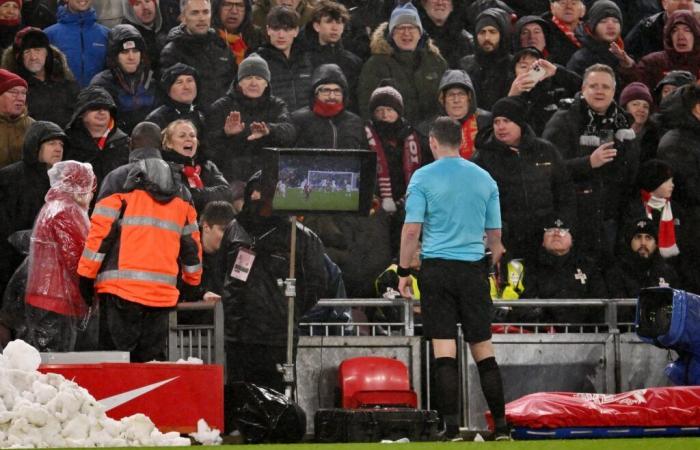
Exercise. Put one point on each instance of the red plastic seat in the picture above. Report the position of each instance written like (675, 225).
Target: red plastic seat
(370, 381)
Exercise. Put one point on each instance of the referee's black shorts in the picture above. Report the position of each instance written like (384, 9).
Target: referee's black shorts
(455, 292)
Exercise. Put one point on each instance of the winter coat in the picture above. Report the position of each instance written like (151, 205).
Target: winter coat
(631, 273)
(154, 36)
(236, 155)
(58, 239)
(602, 193)
(12, 312)
(7, 35)
(646, 37)
(635, 11)
(82, 147)
(594, 51)
(559, 46)
(453, 41)
(82, 40)
(653, 67)
(209, 54)
(290, 77)
(23, 185)
(416, 75)
(215, 185)
(255, 311)
(12, 132)
(263, 7)
(171, 111)
(345, 130)
(39, 13)
(253, 35)
(134, 94)
(52, 99)
(534, 186)
(487, 69)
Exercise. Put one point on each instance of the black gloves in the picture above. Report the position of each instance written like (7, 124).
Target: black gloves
(87, 289)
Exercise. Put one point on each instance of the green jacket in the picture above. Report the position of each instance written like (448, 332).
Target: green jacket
(416, 75)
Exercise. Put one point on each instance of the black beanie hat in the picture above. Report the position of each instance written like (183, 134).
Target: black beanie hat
(653, 173)
(485, 20)
(643, 225)
(170, 75)
(512, 109)
(600, 10)
(386, 95)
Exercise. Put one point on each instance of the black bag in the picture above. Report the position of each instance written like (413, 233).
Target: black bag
(373, 425)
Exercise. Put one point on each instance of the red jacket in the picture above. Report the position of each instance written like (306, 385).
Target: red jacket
(57, 243)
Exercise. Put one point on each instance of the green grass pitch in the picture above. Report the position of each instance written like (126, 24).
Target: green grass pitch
(318, 200)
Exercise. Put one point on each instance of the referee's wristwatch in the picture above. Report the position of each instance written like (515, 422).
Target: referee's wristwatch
(402, 271)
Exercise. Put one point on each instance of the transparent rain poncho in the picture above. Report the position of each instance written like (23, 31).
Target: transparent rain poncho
(55, 310)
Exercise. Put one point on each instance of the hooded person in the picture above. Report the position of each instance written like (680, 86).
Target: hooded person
(532, 31)
(255, 310)
(681, 51)
(326, 123)
(55, 308)
(146, 17)
(93, 134)
(402, 51)
(491, 58)
(128, 78)
(23, 185)
(52, 89)
(511, 153)
(180, 84)
(233, 21)
(670, 82)
(245, 120)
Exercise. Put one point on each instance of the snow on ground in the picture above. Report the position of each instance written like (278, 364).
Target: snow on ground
(46, 410)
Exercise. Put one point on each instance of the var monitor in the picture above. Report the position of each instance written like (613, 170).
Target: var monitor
(304, 181)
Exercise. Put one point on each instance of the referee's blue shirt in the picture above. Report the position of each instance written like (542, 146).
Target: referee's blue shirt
(455, 200)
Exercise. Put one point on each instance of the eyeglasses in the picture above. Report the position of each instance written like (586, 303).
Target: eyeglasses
(456, 95)
(17, 92)
(406, 29)
(329, 91)
(568, 2)
(228, 5)
(559, 231)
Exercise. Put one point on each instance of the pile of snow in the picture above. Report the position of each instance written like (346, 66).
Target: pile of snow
(205, 435)
(46, 410)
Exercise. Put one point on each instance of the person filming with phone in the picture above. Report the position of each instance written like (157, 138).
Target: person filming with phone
(597, 142)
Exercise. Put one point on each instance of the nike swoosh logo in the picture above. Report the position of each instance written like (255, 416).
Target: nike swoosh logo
(119, 399)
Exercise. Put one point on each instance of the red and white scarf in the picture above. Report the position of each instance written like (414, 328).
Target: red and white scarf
(667, 230)
(564, 28)
(192, 174)
(411, 160)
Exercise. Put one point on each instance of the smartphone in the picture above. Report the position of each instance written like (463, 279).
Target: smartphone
(536, 73)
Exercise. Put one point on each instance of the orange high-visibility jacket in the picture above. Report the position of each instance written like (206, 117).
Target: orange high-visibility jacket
(139, 243)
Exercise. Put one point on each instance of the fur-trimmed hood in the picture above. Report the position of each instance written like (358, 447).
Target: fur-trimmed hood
(380, 45)
(59, 70)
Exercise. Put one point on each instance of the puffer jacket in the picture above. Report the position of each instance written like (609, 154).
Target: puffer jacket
(82, 40)
(207, 53)
(534, 186)
(236, 155)
(290, 77)
(135, 93)
(82, 147)
(416, 75)
(53, 98)
(487, 70)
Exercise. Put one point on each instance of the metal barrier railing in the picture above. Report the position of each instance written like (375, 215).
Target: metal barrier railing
(203, 341)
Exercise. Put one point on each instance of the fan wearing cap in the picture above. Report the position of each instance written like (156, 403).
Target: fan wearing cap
(55, 307)
(78, 35)
(681, 51)
(403, 52)
(14, 117)
(491, 59)
(93, 134)
(52, 87)
(245, 120)
(541, 94)
(561, 271)
(23, 185)
(180, 83)
(511, 153)
(639, 263)
(129, 78)
(10, 21)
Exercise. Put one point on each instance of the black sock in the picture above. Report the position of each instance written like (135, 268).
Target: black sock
(447, 393)
(492, 387)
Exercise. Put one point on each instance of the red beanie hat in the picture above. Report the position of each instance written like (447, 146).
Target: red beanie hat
(16, 21)
(8, 80)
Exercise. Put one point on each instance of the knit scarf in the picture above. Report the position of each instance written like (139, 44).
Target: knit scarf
(469, 130)
(235, 43)
(667, 231)
(564, 28)
(411, 159)
(327, 109)
(102, 140)
(192, 175)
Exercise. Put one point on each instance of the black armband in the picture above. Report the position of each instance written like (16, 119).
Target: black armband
(402, 272)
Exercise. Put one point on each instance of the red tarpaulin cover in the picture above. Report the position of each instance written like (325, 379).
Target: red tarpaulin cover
(665, 406)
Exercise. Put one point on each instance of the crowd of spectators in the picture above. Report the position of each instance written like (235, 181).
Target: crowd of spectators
(585, 112)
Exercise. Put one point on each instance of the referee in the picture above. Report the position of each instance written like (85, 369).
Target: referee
(454, 203)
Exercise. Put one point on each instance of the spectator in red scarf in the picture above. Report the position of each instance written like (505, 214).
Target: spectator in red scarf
(564, 18)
